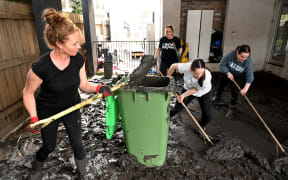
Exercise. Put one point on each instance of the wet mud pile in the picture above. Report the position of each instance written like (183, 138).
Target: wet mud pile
(188, 155)
(139, 73)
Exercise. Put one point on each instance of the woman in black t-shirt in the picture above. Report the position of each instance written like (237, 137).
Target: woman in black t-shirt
(58, 73)
(170, 48)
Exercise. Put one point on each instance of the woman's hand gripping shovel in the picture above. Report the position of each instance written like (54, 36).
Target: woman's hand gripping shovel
(44, 122)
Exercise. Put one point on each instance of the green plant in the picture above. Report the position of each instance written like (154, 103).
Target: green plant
(77, 6)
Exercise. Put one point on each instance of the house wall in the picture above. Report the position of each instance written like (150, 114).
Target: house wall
(171, 15)
(219, 7)
(250, 22)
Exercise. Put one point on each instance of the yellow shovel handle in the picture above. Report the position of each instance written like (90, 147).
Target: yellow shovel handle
(44, 122)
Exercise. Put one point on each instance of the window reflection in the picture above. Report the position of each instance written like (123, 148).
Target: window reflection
(280, 45)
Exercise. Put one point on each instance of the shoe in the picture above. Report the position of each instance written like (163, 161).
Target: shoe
(233, 102)
(199, 133)
(36, 173)
(213, 139)
(81, 169)
(230, 111)
(217, 99)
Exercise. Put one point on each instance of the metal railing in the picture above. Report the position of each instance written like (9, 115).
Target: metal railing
(126, 54)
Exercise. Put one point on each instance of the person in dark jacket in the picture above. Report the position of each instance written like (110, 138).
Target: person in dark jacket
(236, 65)
(170, 48)
(59, 74)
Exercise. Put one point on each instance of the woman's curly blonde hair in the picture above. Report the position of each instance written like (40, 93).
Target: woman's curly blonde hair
(58, 27)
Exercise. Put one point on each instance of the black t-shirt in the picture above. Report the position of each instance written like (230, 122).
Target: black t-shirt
(59, 89)
(169, 50)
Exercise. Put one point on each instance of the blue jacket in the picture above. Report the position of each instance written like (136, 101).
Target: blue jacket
(229, 63)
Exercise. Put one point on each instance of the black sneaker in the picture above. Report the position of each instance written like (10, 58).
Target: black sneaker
(230, 111)
(200, 134)
(233, 102)
(217, 100)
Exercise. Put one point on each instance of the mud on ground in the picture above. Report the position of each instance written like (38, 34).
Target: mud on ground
(245, 149)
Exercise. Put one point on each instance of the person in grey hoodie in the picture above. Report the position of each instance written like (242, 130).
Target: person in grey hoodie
(236, 65)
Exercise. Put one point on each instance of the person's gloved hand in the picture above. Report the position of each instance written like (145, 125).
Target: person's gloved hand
(105, 90)
(37, 128)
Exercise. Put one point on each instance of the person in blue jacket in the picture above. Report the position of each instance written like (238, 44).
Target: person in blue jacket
(236, 65)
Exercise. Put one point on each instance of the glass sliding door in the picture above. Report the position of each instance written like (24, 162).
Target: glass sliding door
(280, 44)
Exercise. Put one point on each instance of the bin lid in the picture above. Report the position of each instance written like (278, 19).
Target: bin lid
(112, 115)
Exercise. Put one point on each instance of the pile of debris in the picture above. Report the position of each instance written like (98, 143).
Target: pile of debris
(108, 159)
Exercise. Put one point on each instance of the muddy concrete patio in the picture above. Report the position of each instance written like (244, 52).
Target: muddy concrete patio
(245, 149)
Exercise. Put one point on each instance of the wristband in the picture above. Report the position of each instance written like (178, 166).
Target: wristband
(34, 119)
(98, 87)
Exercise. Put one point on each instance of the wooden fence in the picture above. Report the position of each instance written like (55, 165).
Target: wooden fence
(18, 49)
(77, 19)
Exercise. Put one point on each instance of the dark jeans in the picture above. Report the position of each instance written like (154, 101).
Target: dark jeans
(72, 123)
(163, 68)
(205, 102)
(234, 90)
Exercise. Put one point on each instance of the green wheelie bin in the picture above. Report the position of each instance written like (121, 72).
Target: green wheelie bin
(144, 111)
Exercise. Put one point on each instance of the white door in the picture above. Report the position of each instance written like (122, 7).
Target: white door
(205, 34)
(192, 32)
(198, 33)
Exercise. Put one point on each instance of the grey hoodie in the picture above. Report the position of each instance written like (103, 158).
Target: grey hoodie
(229, 63)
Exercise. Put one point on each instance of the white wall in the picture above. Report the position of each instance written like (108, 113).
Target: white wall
(171, 15)
(158, 19)
(249, 22)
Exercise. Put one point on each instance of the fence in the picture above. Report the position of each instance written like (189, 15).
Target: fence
(126, 54)
(77, 19)
(18, 49)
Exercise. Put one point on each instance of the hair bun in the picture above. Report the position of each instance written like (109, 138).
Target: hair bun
(51, 16)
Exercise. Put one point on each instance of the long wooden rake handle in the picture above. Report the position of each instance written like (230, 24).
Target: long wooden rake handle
(44, 122)
(266, 126)
(194, 119)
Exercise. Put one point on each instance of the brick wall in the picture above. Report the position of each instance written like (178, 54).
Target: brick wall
(219, 7)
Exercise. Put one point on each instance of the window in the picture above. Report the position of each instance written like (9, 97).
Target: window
(280, 44)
